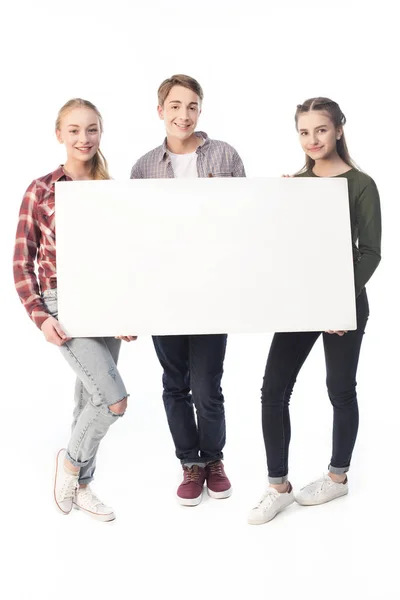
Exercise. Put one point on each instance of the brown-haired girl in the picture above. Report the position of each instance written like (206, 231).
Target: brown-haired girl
(320, 122)
(100, 394)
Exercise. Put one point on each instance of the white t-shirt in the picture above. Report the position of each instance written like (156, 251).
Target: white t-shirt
(184, 165)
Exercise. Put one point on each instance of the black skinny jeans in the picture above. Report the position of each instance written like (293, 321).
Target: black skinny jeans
(287, 355)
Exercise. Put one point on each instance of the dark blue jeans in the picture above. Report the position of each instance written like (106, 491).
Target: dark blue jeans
(193, 367)
(287, 355)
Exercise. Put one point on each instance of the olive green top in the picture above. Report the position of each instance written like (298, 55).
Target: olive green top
(365, 217)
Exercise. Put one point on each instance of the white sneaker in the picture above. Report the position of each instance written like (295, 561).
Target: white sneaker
(87, 501)
(270, 504)
(65, 485)
(320, 491)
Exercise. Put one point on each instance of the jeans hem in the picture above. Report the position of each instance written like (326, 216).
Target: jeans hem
(76, 463)
(277, 480)
(202, 460)
(210, 459)
(85, 480)
(338, 470)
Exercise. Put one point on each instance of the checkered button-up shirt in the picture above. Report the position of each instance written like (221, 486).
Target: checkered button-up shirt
(214, 159)
(36, 241)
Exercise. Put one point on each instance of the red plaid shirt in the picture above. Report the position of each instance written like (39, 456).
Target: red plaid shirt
(36, 240)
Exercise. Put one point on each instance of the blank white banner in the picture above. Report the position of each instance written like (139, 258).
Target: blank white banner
(193, 256)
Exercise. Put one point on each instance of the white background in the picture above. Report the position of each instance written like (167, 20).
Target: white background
(256, 61)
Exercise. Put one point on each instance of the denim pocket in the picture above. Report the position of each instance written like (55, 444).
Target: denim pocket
(49, 298)
(50, 294)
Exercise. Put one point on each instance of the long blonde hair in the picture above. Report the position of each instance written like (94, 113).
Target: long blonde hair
(99, 167)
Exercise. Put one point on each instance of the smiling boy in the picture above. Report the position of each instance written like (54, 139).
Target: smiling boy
(192, 364)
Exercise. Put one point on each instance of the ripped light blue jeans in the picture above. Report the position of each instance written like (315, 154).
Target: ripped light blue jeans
(98, 386)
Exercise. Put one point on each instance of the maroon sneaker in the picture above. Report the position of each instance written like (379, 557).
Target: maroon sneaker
(218, 484)
(191, 489)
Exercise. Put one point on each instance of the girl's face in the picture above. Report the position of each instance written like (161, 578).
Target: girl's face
(318, 136)
(80, 132)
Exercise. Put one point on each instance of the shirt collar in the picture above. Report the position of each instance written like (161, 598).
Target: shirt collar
(201, 134)
(58, 174)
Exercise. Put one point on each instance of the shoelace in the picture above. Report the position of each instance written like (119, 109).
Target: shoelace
(267, 498)
(322, 484)
(89, 497)
(215, 468)
(70, 487)
(192, 473)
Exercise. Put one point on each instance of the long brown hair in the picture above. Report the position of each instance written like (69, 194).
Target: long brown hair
(338, 119)
(99, 166)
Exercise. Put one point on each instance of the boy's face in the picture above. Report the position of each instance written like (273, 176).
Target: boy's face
(180, 112)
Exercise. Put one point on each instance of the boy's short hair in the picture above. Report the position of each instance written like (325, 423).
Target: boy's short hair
(184, 81)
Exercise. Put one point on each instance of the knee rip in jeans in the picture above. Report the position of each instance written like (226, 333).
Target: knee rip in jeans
(119, 408)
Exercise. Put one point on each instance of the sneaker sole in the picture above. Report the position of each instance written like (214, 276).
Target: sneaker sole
(103, 518)
(64, 512)
(190, 501)
(262, 521)
(310, 503)
(219, 495)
